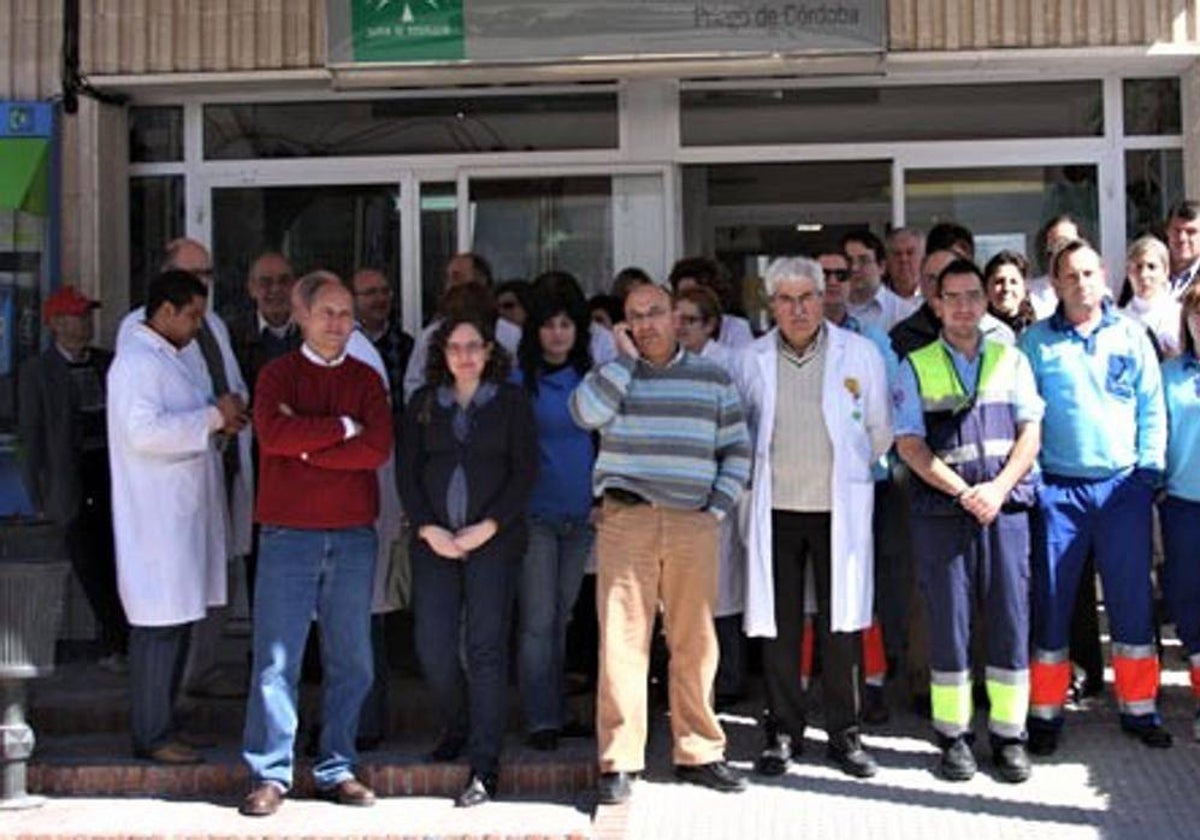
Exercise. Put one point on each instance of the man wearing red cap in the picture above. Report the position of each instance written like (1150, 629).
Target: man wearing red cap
(61, 422)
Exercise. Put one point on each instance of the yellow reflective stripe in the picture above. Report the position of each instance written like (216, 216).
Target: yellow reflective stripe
(936, 381)
(1010, 701)
(950, 700)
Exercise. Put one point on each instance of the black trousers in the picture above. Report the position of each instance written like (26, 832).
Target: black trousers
(89, 542)
(797, 540)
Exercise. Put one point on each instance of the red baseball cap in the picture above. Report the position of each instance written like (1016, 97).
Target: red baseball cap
(67, 301)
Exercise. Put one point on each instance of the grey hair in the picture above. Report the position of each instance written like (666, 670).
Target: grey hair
(1149, 245)
(793, 268)
(310, 284)
(907, 231)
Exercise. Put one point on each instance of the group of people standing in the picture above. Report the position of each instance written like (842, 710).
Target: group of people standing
(928, 460)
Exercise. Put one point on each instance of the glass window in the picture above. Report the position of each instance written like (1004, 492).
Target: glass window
(155, 134)
(860, 115)
(411, 126)
(156, 211)
(748, 213)
(337, 228)
(1153, 182)
(1152, 106)
(439, 240)
(1003, 206)
(526, 226)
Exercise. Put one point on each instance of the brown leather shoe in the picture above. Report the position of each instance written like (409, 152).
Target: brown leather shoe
(194, 739)
(172, 752)
(349, 792)
(263, 801)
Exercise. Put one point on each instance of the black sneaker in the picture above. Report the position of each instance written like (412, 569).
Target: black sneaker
(848, 754)
(1154, 736)
(717, 775)
(448, 748)
(544, 740)
(1011, 761)
(1043, 742)
(480, 788)
(958, 763)
(614, 788)
(874, 710)
(775, 757)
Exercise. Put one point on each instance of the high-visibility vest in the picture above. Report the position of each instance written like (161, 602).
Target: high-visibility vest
(972, 436)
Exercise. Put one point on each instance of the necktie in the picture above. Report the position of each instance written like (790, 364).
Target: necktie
(220, 380)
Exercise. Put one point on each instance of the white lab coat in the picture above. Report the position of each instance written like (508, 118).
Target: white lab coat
(731, 570)
(240, 509)
(168, 490)
(855, 403)
(387, 525)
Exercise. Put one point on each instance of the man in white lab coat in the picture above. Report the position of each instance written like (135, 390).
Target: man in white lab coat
(816, 402)
(164, 428)
(211, 356)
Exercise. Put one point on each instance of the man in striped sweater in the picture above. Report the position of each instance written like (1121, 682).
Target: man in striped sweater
(674, 457)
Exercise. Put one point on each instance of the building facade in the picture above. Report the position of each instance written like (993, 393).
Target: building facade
(229, 121)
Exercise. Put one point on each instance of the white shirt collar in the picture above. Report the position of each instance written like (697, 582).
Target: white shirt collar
(278, 332)
(313, 357)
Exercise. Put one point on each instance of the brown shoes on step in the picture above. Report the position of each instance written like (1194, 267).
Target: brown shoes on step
(171, 753)
(349, 792)
(263, 801)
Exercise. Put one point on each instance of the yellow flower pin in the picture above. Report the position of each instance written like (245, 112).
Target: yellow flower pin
(852, 386)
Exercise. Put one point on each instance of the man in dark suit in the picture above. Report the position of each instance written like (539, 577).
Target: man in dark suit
(266, 331)
(262, 334)
(62, 426)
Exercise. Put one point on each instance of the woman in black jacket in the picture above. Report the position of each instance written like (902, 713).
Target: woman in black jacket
(469, 462)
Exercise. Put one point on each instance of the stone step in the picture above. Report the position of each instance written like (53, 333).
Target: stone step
(101, 765)
(88, 700)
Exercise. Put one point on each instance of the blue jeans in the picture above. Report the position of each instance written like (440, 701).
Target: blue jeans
(551, 574)
(301, 572)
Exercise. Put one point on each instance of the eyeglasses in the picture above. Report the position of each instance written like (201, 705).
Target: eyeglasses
(839, 274)
(651, 314)
(795, 301)
(277, 280)
(970, 298)
(469, 348)
(378, 291)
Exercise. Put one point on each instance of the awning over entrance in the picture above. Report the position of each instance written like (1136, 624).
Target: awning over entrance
(24, 174)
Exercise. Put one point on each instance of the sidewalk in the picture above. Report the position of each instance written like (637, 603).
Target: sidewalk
(1101, 784)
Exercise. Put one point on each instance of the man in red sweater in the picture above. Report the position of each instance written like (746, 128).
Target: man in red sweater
(324, 426)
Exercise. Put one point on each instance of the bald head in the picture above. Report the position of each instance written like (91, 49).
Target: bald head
(188, 255)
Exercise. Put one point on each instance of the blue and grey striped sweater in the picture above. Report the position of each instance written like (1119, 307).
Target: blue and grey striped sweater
(674, 435)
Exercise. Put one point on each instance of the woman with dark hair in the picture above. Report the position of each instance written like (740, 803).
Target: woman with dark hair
(512, 301)
(469, 463)
(1006, 276)
(554, 357)
(1180, 510)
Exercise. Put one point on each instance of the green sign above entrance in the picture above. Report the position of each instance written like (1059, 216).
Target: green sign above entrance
(407, 30)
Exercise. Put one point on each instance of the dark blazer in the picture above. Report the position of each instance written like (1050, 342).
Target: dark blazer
(49, 438)
(499, 458)
(251, 352)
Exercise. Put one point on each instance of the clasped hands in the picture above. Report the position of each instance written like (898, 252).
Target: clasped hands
(458, 544)
(234, 416)
(983, 501)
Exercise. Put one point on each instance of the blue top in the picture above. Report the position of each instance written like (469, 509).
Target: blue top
(1181, 385)
(565, 451)
(909, 419)
(1103, 393)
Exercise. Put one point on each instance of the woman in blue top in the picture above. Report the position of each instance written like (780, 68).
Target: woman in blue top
(553, 358)
(1180, 510)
